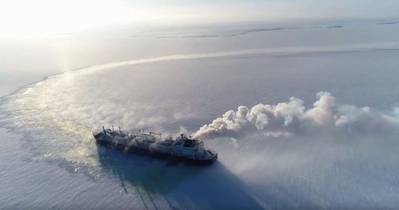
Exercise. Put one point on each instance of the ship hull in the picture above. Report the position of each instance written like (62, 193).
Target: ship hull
(158, 155)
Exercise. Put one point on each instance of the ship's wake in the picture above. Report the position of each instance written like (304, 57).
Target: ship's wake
(280, 142)
(62, 109)
(59, 112)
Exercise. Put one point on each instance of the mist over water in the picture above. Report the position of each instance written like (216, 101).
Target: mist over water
(309, 127)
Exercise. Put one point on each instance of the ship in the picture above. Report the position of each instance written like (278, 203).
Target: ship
(182, 148)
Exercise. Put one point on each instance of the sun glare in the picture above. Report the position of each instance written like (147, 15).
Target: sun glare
(41, 17)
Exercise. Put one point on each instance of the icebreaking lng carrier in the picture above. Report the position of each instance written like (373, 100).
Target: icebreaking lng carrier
(181, 148)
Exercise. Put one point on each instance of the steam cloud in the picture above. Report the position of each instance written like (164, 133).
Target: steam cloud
(292, 117)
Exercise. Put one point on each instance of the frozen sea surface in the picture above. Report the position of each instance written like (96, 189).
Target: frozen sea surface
(180, 79)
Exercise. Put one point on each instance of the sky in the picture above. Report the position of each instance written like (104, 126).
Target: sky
(40, 17)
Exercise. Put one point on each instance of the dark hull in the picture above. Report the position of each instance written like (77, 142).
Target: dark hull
(158, 155)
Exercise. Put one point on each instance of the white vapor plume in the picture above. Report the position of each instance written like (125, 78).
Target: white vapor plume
(293, 118)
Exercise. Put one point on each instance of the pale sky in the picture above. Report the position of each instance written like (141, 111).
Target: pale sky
(56, 16)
